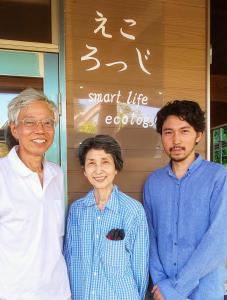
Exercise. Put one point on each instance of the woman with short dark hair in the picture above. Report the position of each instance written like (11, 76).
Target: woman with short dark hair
(106, 245)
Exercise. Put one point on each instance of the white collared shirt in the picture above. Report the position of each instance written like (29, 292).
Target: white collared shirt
(31, 231)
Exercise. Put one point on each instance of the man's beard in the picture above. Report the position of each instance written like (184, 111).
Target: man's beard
(173, 158)
(181, 158)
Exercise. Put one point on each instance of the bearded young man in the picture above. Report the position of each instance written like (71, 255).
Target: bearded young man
(186, 206)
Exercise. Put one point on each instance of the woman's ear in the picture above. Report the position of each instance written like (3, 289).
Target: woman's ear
(85, 174)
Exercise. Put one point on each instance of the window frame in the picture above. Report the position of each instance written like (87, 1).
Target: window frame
(35, 46)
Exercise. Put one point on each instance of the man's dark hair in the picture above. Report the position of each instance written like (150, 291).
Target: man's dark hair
(101, 142)
(186, 110)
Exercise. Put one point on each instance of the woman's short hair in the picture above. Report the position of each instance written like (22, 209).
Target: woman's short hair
(26, 97)
(101, 142)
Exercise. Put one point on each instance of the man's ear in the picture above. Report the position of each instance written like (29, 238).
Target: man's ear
(198, 137)
(13, 129)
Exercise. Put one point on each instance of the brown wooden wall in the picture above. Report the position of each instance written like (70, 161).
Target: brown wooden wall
(174, 31)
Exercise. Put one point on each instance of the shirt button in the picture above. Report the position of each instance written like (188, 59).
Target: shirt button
(97, 236)
(93, 292)
(98, 218)
(175, 243)
(95, 274)
(175, 264)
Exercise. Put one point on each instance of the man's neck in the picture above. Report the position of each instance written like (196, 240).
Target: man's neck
(180, 167)
(34, 163)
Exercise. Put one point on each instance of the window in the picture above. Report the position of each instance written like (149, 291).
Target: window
(10, 86)
(29, 25)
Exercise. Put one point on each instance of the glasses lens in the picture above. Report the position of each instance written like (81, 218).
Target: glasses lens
(48, 123)
(30, 123)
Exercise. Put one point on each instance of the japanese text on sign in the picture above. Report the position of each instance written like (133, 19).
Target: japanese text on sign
(96, 64)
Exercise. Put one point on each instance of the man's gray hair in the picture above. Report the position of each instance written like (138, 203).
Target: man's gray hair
(26, 97)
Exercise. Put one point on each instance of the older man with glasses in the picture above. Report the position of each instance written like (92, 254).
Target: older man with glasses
(32, 266)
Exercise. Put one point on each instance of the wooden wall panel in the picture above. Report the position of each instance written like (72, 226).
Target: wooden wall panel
(174, 31)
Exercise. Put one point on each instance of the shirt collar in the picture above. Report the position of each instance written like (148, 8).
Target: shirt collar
(112, 203)
(21, 169)
(17, 164)
(195, 164)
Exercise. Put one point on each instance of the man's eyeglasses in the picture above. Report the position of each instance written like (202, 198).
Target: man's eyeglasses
(47, 124)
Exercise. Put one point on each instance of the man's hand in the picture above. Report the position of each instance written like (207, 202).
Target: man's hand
(157, 293)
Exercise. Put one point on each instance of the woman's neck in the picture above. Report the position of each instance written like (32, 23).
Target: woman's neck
(102, 196)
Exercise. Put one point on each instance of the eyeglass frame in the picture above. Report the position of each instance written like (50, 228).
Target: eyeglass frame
(37, 122)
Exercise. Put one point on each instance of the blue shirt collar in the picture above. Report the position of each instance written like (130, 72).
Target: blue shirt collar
(112, 203)
(195, 164)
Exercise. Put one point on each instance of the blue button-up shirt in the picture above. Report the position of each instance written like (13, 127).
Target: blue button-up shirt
(187, 220)
(104, 269)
